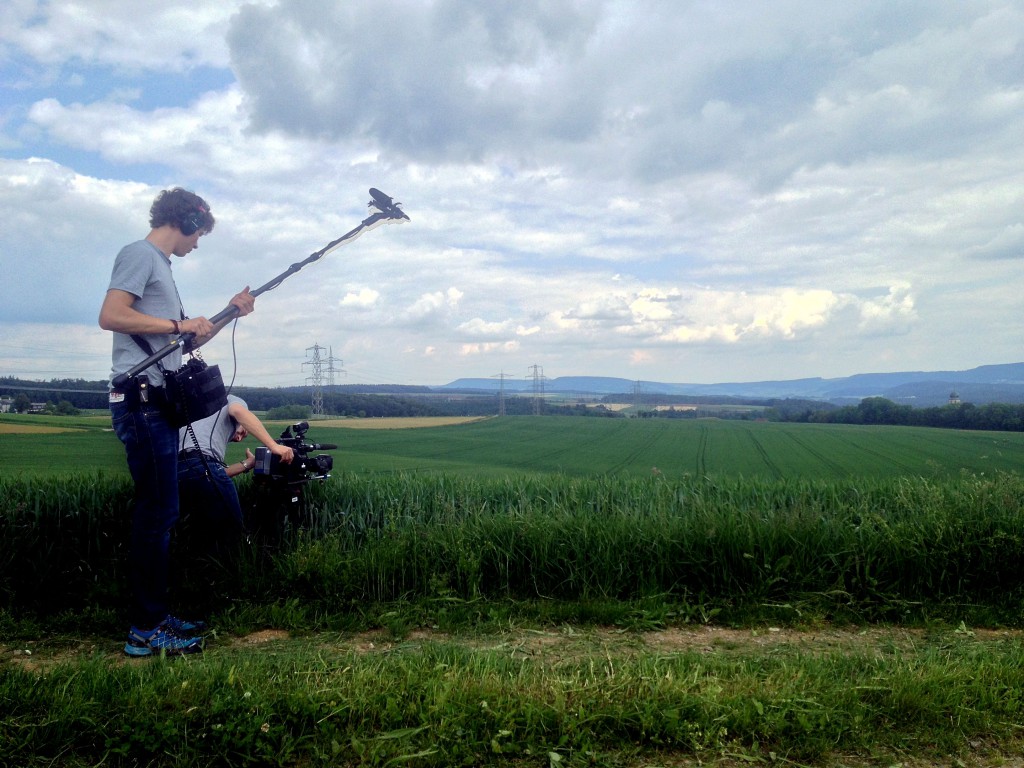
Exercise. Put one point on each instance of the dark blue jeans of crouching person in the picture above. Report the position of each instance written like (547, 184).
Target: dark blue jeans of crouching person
(210, 509)
(151, 445)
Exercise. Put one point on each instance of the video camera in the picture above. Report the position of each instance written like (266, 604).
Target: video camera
(303, 467)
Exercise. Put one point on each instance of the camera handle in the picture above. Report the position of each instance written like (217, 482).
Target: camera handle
(385, 211)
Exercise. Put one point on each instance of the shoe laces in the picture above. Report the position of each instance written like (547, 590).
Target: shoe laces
(175, 627)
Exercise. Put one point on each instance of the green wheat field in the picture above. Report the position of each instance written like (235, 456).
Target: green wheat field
(536, 591)
(577, 447)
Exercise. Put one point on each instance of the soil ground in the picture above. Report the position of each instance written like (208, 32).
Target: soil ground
(557, 644)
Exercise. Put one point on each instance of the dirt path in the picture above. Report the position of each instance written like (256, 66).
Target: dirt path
(560, 644)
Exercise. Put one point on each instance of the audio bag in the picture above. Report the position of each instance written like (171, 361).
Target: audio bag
(193, 392)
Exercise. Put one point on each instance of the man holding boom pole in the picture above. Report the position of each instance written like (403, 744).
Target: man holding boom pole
(142, 301)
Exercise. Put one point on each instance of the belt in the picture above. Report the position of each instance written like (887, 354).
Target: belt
(192, 453)
(132, 394)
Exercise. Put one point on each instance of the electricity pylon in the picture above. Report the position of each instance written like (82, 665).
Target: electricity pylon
(501, 391)
(317, 379)
(538, 387)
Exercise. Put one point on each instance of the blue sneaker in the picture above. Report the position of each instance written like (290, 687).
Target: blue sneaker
(162, 639)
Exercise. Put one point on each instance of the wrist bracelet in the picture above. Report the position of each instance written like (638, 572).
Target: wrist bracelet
(177, 327)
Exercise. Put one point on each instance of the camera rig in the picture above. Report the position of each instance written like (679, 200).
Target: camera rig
(303, 468)
(280, 504)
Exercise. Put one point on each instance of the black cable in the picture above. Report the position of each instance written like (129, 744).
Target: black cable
(190, 432)
(234, 356)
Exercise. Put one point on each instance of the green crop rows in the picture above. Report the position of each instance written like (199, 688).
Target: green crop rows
(584, 447)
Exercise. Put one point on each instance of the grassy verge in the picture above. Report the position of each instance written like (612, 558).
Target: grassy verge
(516, 622)
(563, 696)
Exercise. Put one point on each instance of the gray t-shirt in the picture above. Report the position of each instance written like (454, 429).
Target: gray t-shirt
(144, 271)
(212, 433)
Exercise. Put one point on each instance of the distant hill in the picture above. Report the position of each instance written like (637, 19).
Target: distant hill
(984, 384)
(923, 389)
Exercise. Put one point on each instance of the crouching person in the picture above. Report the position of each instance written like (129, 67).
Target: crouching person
(212, 525)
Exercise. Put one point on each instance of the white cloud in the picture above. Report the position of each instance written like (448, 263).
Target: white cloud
(167, 36)
(430, 304)
(789, 311)
(891, 312)
(208, 137)
(364, 298)
(483, 348)
(57, 225)
(800, 189)
(745, 96)
(480, 327)
(652, 306)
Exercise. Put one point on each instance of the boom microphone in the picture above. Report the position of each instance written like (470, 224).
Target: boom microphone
(387, 210)
(386, 205)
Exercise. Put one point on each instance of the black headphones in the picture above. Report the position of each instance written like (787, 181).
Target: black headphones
(193, 222)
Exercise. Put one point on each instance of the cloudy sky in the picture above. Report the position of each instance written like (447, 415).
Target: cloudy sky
(666, 190)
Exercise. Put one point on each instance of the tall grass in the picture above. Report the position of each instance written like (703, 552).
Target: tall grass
(62, 541)
(879, 549)
(686, 549)
(883, 544)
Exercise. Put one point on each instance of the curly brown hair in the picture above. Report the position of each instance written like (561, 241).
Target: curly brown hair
(180, 208)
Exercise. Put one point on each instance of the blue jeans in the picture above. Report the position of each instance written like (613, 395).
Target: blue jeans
(151, 445)
(210, 505)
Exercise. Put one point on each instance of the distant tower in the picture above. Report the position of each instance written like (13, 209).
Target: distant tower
(638, 399)
(331, 370)
(954, 398)
(501, 391)
(538, 388)
(317, 379)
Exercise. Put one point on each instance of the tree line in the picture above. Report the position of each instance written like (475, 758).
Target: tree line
(68, 396)
(879, 410)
